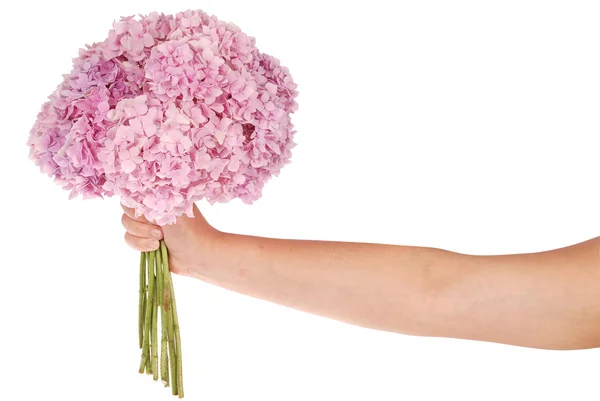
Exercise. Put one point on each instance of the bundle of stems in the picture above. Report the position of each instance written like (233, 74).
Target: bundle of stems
(156, 292)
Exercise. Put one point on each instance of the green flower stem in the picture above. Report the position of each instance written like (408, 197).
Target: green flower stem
(155, 323)
(159, 277)
(156, 291)
(149, 314)
(141, 314)
(144, 365)
(172, 350)
(169, 314)
(146, 337)
(175, 323)
(177, 343)
(164, 356)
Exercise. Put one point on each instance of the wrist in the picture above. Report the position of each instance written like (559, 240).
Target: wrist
(208, 253)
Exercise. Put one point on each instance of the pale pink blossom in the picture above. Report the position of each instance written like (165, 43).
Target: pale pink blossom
(168, 110)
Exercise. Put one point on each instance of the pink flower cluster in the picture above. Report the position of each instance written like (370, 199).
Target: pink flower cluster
(166, 111)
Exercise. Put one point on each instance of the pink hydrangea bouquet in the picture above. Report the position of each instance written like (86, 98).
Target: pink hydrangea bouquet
(168, 110)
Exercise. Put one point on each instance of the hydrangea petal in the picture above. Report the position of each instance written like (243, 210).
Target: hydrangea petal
(168, 110)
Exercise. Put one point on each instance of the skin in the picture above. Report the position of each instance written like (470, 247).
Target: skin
(547, 300)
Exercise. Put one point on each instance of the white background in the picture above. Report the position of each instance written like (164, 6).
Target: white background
(464, 125)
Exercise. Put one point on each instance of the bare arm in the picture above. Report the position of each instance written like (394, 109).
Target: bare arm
(542, 300)
(546, 300)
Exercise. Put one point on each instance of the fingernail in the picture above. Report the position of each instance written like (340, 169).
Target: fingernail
(153, 244)
(156, 233)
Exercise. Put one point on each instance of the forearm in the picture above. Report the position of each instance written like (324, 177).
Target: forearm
(541, 300)
(378, 286)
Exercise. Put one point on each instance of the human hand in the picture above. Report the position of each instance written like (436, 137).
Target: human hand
(189, 240)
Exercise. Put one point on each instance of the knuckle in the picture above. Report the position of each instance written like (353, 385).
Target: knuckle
(142, 230)
(124, 220)
(150, 231)
(132, 242)
(135, 227)
(127, 238)
(126, 210)
(141, 244)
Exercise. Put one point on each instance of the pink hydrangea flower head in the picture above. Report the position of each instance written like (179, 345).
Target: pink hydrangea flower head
(166, 111)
